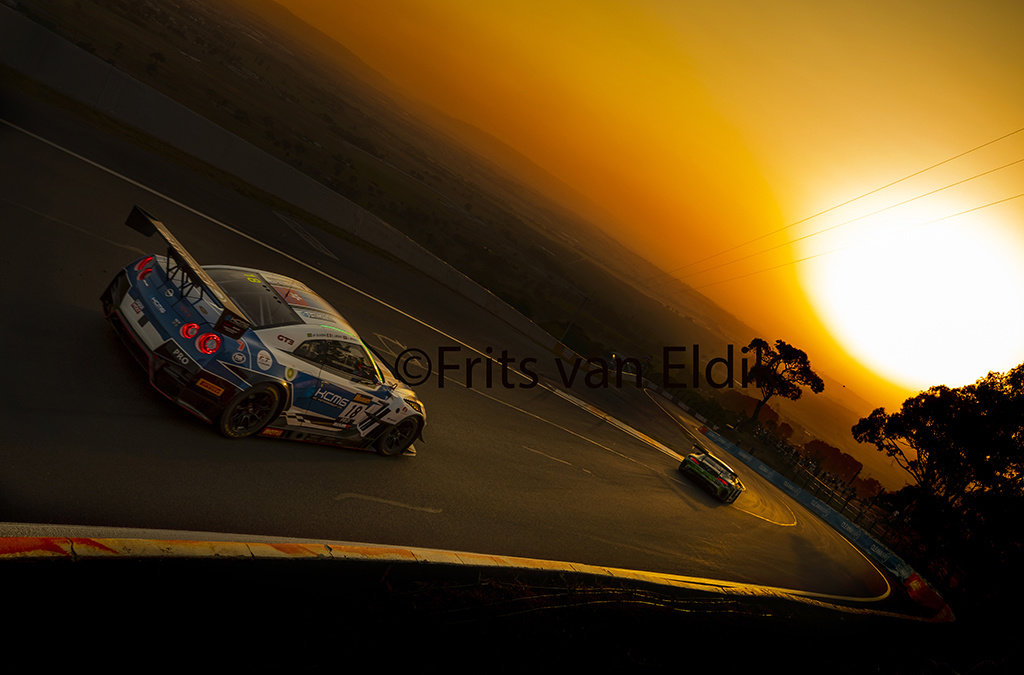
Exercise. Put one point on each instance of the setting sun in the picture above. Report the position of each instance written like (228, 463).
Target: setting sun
(923, 298)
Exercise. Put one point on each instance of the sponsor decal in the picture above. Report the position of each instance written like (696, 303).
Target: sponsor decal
(159, 307)
(169, 293)
(238, 357)
(231, 324)
(136, 307)
(289, 374)
(331, 398)
(273, 433)
(176, 354)
(362, 398)
(264, 360)
(291, 296)
(180, 356)
(319, 316)
(330, 335)
(210, 387)
(285, 339)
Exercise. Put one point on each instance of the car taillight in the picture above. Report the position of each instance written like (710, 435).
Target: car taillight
(189, 330)
(724, 482)
(208, 343)
(143, 267)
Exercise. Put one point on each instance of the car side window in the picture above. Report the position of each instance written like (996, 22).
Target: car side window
(346, 359)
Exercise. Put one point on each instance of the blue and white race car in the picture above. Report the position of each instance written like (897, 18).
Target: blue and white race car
(254, 352)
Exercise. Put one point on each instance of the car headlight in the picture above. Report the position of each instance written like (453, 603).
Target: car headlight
(415, 405)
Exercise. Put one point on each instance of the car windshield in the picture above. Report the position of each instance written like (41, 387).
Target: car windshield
(262, 304)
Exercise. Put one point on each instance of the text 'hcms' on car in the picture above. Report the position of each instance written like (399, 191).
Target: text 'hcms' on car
(253, 352)
(713, 474)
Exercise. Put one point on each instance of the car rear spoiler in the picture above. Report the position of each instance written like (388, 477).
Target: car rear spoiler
(232, 321)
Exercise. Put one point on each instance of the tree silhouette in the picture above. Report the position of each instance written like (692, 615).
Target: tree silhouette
(780, 371)
(957, 442)
(964, 449)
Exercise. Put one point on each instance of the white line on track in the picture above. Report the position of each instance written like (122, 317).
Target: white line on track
(76, 228)
(544, 454)
(389, 502)
(556, 459)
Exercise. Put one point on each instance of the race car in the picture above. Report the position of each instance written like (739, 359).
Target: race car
(254, 352)
(714, 475)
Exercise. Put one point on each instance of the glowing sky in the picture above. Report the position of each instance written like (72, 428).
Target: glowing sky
(700, 126)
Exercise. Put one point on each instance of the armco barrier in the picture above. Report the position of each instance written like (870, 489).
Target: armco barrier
(857, 536)
(917, 588)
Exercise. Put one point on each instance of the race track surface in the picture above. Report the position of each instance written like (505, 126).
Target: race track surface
(508, 470)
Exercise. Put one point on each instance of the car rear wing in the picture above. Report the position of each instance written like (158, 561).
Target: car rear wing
(183, 269)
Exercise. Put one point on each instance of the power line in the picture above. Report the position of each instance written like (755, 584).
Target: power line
(843, 248)
(853, 220)
(837, 206)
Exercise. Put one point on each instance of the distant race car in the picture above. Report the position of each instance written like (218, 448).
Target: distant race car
(714, 475)
(254, 352)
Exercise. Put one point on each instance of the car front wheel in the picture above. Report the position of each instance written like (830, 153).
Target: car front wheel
(398, 438)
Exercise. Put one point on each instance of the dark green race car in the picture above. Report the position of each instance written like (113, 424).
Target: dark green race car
(714, 475)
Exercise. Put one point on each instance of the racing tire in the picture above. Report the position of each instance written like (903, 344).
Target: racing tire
(250, 410)
(398, 437)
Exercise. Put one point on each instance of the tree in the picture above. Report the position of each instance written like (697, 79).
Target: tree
(832, 459)
(957, 442)
(964, 449)
(780, 371)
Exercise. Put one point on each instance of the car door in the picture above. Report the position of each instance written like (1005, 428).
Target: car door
(347, 395)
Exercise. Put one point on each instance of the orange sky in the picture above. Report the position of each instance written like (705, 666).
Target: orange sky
(699, 126)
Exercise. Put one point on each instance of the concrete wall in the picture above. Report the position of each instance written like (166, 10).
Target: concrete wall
(44, 56)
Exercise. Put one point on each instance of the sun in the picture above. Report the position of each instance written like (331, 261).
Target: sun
(921, 298)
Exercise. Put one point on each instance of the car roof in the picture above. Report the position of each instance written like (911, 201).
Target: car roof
(716, 460)
(311, 308)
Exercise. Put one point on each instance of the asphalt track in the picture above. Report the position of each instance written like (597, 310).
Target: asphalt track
(504, 470)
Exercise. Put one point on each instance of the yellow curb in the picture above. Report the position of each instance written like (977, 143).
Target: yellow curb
(50, 547)
(357, 552)
(289, 550)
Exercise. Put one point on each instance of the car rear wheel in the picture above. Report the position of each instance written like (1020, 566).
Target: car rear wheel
(398, 438)
(250, 410)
